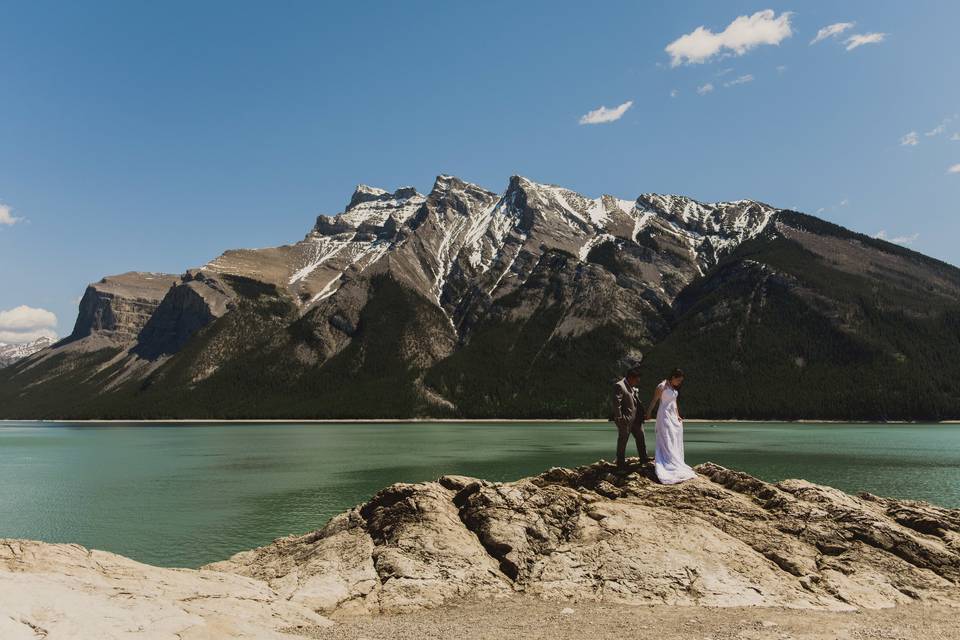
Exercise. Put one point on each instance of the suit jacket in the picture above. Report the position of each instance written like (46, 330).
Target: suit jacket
(627, 409)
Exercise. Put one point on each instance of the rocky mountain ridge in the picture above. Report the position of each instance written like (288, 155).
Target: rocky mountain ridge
(454, 300)
(10, 353)
(584, 535)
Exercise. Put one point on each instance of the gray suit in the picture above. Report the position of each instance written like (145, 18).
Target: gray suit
(628, 416)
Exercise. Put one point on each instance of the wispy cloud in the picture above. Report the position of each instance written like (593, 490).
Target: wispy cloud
(831, 31)
(602, 115)
(6, 216)
(674, 93)
(781, 68)
(861, 39)
(833, 207)
(937, 130)
(25, 324)
(954, 169)
(705, 89)
(744, 79)
(740, 36)
(910, 140)
(955, 137)
(904, 240)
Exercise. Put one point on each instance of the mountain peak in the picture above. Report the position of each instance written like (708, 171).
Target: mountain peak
(365, 193)
(446, 184)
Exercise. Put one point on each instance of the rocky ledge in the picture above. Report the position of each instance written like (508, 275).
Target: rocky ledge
(585, 534)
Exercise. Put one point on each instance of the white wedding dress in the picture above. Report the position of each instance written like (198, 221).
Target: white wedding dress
(668, 459)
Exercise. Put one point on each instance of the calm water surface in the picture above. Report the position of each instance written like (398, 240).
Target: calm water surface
(184, 495)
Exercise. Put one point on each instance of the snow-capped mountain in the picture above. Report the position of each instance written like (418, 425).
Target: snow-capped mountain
(461, 237)
(523, 302)
(10, 353)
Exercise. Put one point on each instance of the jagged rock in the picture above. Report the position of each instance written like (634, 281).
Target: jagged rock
(722, 539)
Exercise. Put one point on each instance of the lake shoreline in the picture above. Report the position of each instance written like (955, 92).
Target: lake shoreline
(565, 553)
(214, 421)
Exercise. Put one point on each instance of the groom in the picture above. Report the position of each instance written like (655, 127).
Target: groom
(628, 416)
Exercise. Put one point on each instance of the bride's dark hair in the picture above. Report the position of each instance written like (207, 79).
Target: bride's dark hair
(676, 373)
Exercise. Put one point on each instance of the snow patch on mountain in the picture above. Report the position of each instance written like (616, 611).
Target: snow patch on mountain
(10, 353)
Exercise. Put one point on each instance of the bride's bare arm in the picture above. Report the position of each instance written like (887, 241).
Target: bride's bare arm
(653, 403)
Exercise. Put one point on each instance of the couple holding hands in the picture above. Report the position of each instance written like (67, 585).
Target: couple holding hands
(628, 416)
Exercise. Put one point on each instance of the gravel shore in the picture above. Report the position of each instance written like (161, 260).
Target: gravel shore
(522, 617)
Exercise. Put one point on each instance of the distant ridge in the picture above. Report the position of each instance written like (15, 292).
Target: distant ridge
(525, 303)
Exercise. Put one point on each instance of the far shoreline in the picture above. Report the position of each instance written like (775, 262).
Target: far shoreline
(228, 421)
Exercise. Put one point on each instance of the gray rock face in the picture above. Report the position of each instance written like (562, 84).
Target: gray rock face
(118, 307)
(722, 539)
(190, 305)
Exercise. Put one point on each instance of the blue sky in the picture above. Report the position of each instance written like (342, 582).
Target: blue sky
(152, 136)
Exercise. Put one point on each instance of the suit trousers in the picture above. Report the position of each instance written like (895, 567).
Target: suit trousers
(624, 434)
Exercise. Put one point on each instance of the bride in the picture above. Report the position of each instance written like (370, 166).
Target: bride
(668, 459)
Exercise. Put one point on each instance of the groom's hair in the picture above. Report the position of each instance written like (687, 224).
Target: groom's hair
(633, 372)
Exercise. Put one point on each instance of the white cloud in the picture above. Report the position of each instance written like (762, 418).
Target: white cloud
(603, 114)
(844, 202)
(832, 31)
(954, 169)
(781, 68)
(744, 79)
(724, 72)
(740, 36)
(955, 137)
(861, 39)
(937, 130)
(24, 324)
(705, 89)
(24, 317)
(904, 240)
(910, 140)
(674, 93)
(6, 216)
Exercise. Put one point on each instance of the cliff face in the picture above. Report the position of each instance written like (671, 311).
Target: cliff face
(118, 307)
(724, 539)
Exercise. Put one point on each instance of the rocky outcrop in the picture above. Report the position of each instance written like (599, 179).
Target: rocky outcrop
(722, 539)
(66, 592)
(118, 307)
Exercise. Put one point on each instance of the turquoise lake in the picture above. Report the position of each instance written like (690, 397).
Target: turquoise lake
(185, 495)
